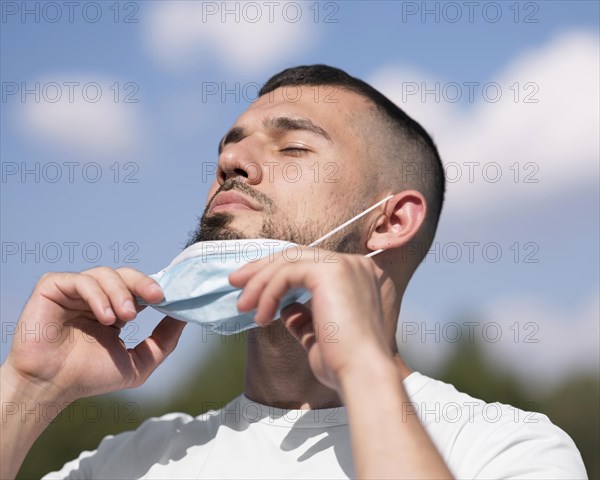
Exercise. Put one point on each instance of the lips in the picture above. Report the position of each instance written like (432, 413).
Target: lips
(226, 201)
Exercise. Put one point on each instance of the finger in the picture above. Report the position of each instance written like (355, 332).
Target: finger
(240, 277)
(277, 286)
(254, 285)
(141, 285)
(150, 353)
(254, 279)
(118, 292)
(122, 284)
(290, 254)
(62, 288)
(298, 319)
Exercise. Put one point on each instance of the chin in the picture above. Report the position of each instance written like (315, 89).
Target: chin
(220, 226)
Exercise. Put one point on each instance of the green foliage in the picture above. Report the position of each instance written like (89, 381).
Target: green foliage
(573, 406)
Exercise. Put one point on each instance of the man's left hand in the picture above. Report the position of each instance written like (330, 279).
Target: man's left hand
(345, 322)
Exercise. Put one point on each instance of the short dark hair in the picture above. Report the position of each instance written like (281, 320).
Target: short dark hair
(404, 127)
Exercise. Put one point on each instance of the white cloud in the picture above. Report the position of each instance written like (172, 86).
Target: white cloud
(88, 114)
(245, 37)
(559, 133)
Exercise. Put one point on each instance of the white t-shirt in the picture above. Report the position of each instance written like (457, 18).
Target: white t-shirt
(249, 440)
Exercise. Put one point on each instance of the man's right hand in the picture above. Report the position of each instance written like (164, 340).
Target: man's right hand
(80, 353)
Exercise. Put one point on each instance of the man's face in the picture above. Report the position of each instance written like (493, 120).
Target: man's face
(292, 167)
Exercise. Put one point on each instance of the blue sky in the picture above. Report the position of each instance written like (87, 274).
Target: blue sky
(533, 119)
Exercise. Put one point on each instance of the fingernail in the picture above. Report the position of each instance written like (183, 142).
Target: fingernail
(109, 313)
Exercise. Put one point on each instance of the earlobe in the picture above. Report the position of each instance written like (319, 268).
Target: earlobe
(402, 218)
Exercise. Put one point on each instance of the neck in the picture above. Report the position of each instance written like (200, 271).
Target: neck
(278, 373)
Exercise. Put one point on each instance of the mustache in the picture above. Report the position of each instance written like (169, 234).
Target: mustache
(241, 186)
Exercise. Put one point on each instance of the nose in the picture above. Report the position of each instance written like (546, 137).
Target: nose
(240, 160)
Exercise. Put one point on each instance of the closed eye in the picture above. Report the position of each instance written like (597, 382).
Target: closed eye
(295, 151)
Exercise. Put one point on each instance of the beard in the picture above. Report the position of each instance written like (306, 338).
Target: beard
(217, 226)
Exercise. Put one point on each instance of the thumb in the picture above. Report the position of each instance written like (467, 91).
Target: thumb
(298, 319)
(150, 353)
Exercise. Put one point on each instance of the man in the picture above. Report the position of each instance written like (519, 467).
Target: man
(326, 393)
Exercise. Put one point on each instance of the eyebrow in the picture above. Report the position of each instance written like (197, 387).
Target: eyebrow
(286, 124)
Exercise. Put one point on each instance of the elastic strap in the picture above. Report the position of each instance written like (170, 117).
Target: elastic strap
(344, 225)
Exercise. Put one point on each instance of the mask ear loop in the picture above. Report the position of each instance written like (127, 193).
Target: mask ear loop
(344, 225)
(372, 254)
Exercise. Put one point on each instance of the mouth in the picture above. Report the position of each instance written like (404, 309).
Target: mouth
(230, 201)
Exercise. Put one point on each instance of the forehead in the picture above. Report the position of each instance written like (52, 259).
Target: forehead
(334, 109)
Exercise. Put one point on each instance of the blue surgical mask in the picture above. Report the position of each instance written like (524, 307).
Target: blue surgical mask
(196, 286)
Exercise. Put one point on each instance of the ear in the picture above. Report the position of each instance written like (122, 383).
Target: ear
(403, 216)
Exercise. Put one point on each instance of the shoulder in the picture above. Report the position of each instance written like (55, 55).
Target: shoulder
(131, 454)
(484, 440)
